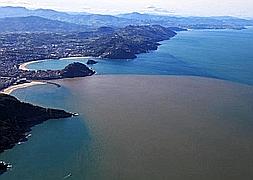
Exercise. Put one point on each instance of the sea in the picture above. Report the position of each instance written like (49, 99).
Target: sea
(182, 112)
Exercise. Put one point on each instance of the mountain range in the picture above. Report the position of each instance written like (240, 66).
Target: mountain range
(23, 19)
(38, 24)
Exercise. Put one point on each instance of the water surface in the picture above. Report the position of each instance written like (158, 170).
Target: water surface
(139, 127)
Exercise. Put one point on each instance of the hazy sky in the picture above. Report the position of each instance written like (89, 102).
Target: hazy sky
(243, 8)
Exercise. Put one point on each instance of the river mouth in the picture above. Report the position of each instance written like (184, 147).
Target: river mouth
(167, 127)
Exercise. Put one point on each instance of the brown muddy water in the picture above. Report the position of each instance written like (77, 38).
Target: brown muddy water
(167, 127)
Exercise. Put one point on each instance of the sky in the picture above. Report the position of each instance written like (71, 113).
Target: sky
(239, 8)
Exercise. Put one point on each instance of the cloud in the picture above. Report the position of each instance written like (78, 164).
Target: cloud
(15, 2)
(179, 7)
(154, 9)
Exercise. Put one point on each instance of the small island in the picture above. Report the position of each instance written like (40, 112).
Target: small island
(76, 69)
(91, 62)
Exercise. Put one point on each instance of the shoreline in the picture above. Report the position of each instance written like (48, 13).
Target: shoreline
(13, 88)
(23, 66)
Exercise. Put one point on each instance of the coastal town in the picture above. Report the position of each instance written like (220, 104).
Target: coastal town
(19, 48)
(105, 42)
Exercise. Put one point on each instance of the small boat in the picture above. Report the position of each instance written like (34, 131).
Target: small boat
(29, 135)
(75, 114)
(69, 175)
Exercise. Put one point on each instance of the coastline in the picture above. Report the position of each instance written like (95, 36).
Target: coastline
(10, 89)
(23, 66)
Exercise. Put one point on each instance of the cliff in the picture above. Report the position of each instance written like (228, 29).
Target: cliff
(17, 118)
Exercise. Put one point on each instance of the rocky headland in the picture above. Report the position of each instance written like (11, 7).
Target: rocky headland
(17, 118)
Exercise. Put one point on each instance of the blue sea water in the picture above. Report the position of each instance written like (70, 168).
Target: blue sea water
(222, 54)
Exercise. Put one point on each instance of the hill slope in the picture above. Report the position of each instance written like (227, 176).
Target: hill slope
(37, 24)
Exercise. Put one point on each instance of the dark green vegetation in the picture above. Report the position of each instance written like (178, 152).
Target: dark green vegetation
(76, 69)
(17, 118)
(129, 41)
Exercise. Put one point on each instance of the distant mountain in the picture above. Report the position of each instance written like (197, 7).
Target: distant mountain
(37, 24)
(10, 11)
(135, 18)
(233, 20)
(95, 20)
(190, 22)
(140, 16)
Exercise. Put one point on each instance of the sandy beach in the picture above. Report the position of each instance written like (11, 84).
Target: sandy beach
(10, 89)
(24, 65)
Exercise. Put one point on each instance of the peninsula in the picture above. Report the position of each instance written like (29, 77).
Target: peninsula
(16, 121)
(17, 118)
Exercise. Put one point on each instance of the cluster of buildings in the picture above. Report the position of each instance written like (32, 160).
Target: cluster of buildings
(18, 48)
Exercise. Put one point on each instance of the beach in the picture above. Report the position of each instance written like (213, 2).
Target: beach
(10, 89)
(24, 66)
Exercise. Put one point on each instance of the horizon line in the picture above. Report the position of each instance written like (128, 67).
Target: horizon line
(130, 12)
